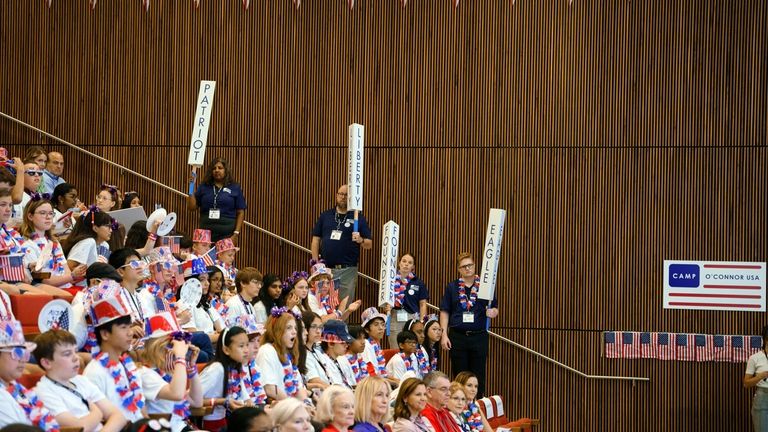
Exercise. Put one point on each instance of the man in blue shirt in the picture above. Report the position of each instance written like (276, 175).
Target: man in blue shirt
(334, 239)
(54, 168)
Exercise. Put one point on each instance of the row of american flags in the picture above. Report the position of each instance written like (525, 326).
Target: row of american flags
(247, 3)
(680, 346)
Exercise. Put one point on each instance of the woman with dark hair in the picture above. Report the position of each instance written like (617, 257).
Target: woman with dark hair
(64, 200)
(472, 413)
(131, 200)
(250, 419)
(411, 400)
(140, 239)
(220, 201)
(268, 297)
(89, 240)
(433, 333)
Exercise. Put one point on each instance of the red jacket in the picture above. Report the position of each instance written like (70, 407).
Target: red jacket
(440, 419)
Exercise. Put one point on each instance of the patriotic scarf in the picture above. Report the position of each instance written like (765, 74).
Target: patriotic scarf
(219, 306)
(11, 239)
(421, 359)
(180, 409)
(57, 261)
(167, 291)
(291, 380)
(33, 407)
(433, 358)
(236, 379)
(254, 385)
(358, 366)
(401, 284)
(473, 417)
(407, 362)
(381, 367)
(467, 303)
(129, 390)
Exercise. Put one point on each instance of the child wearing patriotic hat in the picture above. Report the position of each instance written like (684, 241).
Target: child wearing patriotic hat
(225, 257)
(169, 363)
(334, 343)
(112, 369)
(19, 405)
(201, 241)
(324, 297)
(375, 324)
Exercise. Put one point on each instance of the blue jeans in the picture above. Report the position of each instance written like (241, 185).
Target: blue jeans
(760, 410)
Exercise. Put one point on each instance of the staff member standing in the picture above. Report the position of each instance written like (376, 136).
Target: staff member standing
(334, 238)
(465, 316)
(221, 202)
(756, 375)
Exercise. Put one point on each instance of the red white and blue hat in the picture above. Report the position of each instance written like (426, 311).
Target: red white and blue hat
(224, 245)
(371, 314)
(335, 331)
(201, 236)
(161, 324)
(109, 309)
(250, 325)
(12, 335)
(319, 269)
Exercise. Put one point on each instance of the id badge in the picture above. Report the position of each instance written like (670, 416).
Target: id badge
(336, 235)
(402, 316)
(468, 317)
(214, 214)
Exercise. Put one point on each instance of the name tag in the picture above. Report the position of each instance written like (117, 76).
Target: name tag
(402, 316)
(468, 317)
(336, 235)
(214, 214)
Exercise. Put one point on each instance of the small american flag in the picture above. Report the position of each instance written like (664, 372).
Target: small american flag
(612, 344)
(12, 267)
(666, 346)
(705, 348)
(686, 351)
(171, 242)
(722, 348)
(333, 294)
(104, 253)
(209, 257)
(740, 349)
(648, 342)
(630, 345)
(63, 321)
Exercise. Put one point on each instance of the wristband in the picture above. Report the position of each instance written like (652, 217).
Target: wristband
(236, 232)
(191, 188)
(152, 236)
(181, 362)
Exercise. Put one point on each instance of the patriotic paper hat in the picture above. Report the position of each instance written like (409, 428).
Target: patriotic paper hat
(161, 254)
(11, 335)
(194, 266)
(224, 245)
(371, 314)
(319, 269)
(201, 236)
(335, 331)
(109, 309)
(250, 325)
(161, 324)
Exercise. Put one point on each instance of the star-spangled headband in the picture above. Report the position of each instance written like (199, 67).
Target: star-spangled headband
(277, 312)
(111, 188)
(93, 209)
(295, 277)
(429, 318)
(35, 196)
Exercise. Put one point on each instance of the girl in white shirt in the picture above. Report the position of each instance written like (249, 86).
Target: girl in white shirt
(268, 297)
(88, 242)
(278, 357)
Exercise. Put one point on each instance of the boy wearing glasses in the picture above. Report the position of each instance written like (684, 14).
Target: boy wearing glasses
(33, 176)
(405, 360)
(19, 405)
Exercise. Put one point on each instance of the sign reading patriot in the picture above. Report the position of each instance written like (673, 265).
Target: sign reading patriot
(714, 285)
(202, 123)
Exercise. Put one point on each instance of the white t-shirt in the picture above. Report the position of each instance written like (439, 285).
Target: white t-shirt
(203, 320)
(314, 368)
(271, 369)
(346, 370)
(18, 209)
(212, 382)
(5, 305)
(332, 370)
(58, 227)
(369, 356)
(151, 384)
(100, 376)
(79, 327)
(314, 304)
(396, 366)
(260, 313)
(59, 400)
(237, 308)
(11, 411)
(85, 251)
(758, 362)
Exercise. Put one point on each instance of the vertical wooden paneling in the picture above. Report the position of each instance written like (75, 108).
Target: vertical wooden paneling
(617, 134)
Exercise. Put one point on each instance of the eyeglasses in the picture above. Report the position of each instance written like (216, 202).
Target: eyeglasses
(135, 264)
(34, 173)
(316, 327)
(409, 342)
(17, 353)
(45, 213)
(467, 266)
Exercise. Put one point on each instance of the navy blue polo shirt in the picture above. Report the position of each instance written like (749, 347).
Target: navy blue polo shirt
(229, 199)
(450, 303)
(343, 251)
(416, 291)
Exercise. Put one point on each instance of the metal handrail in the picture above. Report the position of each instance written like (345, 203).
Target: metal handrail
(300, 247)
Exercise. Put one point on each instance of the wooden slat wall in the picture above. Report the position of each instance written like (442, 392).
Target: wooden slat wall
(617, 134)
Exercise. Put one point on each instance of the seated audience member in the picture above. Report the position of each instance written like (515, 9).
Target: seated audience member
(248, 284)
(334, 343)
(405, 360)
(278, 357)
(323, 295)
(336, 409)
(140, 239)
(201, 241)
(472, 413)
(169, 365)
(435, 412)
(457, 402)
(72, 398)
(352, 364)
(66, 209)
(295, 294)
(132, 270)
(106, 201)
(88, 242)
(250, 419)
(19, 404)
(290, 415)
(216, 298)
(433, 333)
(36, 155)
(316, 377)
(410, 402)
(268, 297)
(54, 168)
(371, 405)
(225, 257)
(32, 179)
(131, 200)
(206, 318)
(255, 331)
(112, 370)
(97, 275)
(375, 326)
(422, 357)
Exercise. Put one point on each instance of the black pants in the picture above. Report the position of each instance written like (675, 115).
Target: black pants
(469, 353)
(220, 228)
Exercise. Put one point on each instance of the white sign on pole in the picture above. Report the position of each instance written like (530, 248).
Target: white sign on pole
(202, 123)
(714, 285)
(355, 167)
(491, 253)
(388, 265)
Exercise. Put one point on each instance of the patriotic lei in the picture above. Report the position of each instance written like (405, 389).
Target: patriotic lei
(90, 342)
(129, 392)
(168, 291)
(400, 286)
(472, 414)
(12, 240)
(328, 308)
(181, 408)
(236, 378)
(406, 362)
(219, 306)
(421, 358)
(231, 270)
(433, 358)
(33, 407)
(381, 368)
(57, 261)
(358, 366)
(467, 303)
(291, 381)
(254, 385)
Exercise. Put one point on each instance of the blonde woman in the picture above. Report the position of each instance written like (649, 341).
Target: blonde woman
(336, 409)
(290, 415)
(371, 404)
